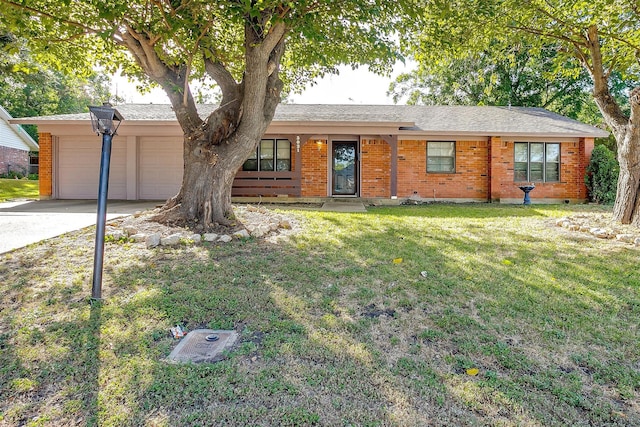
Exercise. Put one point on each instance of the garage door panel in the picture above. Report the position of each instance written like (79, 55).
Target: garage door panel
(78, 169)
(161, 167)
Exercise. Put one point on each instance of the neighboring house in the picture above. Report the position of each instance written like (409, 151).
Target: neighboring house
(15, 146)
(313, 152)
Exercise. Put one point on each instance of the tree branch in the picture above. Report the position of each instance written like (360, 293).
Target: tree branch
(85, 28)
(601, 93)
(172, 80)
(218, 72)
(274, 36)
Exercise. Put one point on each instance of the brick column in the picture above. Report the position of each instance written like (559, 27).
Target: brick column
(45, 172)
(585, 147)
(496, 169)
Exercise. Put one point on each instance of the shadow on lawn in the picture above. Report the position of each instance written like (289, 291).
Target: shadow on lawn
(334, 332)
(310, 338)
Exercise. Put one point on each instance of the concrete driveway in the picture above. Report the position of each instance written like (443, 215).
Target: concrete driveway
(23, 223)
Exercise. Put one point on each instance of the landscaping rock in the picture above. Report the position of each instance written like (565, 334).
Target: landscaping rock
(172, 240)
(130, 230)
(153, 240)
(600, 233)
(241, 234)
(225, 238)
(195, 238)
(285, 224)
(627, 238)
(210, 237)
(138, 237)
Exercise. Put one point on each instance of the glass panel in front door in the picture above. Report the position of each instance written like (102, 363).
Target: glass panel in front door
(344, 168)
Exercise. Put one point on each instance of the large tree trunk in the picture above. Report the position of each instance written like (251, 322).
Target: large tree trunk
(626, 130)
(216, 148)
(627, 206)
(204, 199)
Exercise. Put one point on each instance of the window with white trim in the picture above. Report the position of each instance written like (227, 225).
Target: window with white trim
(270, 155)
(441, 156)
(536, 162)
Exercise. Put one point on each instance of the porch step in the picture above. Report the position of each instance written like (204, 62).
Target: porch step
(342, 206)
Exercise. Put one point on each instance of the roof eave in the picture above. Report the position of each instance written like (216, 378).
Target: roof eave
(423, 133)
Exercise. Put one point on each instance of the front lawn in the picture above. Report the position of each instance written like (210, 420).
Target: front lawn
(18, 189)
(403, 316)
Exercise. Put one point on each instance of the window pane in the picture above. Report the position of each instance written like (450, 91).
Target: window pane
(266, 155)
(283, 155)
(553, 152)
(250, 165)
(284, 149)
(537, 152)
(553, 172)
(441, 156)
(440, 149)
(535, 172)
(440, 164)
(521, 152)
(283, 165)
(252, 162)
(520, 171)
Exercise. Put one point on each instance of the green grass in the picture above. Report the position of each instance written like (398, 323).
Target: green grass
(18, 189)
(333, 331)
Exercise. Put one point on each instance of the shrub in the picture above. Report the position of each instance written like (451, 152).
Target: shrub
(12, 175)
(602, 175)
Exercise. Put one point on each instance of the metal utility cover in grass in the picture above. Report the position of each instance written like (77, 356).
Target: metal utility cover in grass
(196, 348)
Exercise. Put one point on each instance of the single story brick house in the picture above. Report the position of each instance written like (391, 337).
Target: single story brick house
(315, 152)
(15, 146)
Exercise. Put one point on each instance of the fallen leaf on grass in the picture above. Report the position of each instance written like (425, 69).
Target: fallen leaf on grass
(473, 371)
(397, 260)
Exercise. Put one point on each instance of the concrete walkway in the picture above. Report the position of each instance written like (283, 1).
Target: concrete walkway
(343, 206)
(23, 223)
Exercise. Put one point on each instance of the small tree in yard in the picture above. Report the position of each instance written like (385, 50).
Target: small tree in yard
(250, 48)
(602, 175)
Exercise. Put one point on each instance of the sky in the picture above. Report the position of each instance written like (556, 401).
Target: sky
(358, 86)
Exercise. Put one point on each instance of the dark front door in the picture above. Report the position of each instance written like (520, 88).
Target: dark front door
(345, 168)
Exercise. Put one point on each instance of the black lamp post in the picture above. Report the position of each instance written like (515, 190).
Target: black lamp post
(104, 120)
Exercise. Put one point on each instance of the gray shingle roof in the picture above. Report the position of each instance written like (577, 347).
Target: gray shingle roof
(486, 120)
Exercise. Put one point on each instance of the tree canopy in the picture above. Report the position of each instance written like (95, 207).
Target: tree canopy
(29, 88)
(320, 35)
(602, 37)
(498, 75)
(250, 48)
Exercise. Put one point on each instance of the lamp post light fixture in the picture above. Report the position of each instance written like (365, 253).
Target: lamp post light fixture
(105, 120)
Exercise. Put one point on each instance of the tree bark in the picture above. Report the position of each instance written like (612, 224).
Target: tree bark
(626, 131)
(216, 148)
(627, 206)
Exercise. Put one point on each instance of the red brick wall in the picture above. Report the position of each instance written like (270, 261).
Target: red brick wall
(46, 165)
(500, 168)
(12, 159)
(484, 171)
(314, 169)
(375, 169)
(469, 181)
(574, 158)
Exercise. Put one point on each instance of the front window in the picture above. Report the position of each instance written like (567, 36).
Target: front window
(270, 155)
(536, 162)
(441, 156)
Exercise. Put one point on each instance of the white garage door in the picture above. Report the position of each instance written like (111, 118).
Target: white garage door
(161, 167)
(78, 168)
